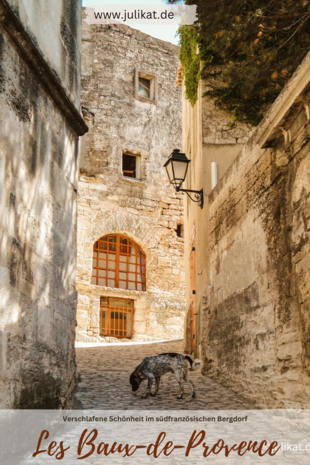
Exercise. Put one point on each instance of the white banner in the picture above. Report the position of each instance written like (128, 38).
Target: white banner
(141, 14)
(139, 437)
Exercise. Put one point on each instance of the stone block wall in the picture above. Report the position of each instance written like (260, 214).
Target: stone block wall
(145, 210)
(255, 323)
(38, 200)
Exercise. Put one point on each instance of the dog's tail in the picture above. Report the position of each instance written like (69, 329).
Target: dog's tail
(195, 365)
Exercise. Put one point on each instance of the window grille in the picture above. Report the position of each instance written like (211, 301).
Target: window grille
(118, 262)
(116, 317)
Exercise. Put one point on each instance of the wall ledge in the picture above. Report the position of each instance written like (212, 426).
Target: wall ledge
(34, 58)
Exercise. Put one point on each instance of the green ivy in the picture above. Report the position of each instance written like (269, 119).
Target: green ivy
(190, 59)
(257, 43)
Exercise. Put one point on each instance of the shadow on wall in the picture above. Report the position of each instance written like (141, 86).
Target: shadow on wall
(38, 249)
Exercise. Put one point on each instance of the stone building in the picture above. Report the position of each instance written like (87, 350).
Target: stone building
(208, 139)
(130, 273)
(251, 239)
(40, 125)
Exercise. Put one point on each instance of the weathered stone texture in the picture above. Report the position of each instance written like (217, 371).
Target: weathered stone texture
(38, 202)
(55, 28)
(146, 210)
(256, 315)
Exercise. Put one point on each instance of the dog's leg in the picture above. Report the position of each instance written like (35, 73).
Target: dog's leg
(150, 379)
(191, 384)
(157, 382)
(186, 378)
(178, 375)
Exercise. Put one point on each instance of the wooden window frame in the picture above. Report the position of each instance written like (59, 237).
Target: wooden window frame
(126, 269)
(108, 323)
(153, 86)
(137, 172)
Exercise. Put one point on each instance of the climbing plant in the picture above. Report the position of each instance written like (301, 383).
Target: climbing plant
(253, 46)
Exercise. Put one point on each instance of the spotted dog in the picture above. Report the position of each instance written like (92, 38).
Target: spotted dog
(154, 367)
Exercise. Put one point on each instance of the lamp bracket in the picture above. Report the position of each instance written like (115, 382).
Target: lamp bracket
(198, 195)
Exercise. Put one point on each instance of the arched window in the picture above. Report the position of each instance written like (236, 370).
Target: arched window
(118, 262)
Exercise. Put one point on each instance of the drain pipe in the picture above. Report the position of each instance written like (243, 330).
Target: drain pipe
(213, 174)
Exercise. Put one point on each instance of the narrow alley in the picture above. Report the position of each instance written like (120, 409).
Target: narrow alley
(105, 371)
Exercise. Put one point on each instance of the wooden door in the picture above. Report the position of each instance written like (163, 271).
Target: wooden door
(193, 294)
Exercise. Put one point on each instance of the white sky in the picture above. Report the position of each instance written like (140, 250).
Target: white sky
(163, 32)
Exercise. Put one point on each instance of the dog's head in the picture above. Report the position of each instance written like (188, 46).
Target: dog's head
(134, 381)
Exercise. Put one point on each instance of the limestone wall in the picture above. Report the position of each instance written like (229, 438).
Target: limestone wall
(145, 209)
(208, 136)
(255, 324)
(38, 203)
(55, 28)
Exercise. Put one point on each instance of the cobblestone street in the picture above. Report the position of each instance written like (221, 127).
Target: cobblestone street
(105, 384)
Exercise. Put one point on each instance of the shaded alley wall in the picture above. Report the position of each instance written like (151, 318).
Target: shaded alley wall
(38, 200)
(255, 321)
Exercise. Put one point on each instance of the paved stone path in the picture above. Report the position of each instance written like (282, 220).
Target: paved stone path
(105, 384)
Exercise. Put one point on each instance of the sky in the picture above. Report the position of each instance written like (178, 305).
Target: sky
(163, 32)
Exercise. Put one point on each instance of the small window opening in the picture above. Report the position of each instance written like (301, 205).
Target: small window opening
(129, 166)
(180, 230)
(144, 87)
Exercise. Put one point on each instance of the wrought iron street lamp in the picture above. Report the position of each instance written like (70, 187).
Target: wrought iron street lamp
(176, 167)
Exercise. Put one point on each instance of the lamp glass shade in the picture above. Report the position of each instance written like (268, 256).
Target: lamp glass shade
(179, 169)
(176, 167)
